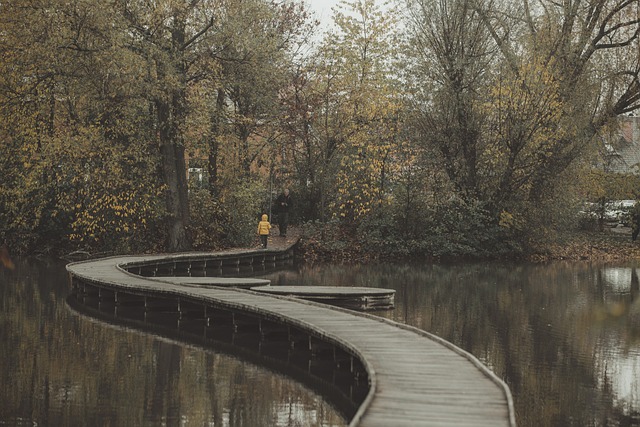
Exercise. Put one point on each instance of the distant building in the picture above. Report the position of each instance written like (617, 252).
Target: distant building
(623, 150)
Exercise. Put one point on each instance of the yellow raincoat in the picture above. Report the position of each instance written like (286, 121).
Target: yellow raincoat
(264, 226)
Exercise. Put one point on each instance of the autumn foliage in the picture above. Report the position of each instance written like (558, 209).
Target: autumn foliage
(432, 128)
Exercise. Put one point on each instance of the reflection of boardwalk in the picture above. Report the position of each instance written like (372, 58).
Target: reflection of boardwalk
(414, 378)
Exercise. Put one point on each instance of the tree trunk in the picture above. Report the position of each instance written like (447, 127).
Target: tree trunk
(216, 126)
(170, 110)
(175, 178)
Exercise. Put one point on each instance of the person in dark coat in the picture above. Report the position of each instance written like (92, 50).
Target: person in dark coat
(635, 221)
(284, 203)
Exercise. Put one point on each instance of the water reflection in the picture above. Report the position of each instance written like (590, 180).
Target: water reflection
(565, 337)
(621, 307)
(63, 369)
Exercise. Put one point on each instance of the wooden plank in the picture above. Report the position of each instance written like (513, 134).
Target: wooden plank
(323, 290)
(357, 298)
(213, 281)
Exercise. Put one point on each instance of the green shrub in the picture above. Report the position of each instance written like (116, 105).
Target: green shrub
(207, 220)
(243, 203)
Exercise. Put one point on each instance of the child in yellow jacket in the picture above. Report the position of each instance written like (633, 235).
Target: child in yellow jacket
(263, 230)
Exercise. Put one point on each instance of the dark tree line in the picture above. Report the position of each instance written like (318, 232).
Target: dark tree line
(468, 130)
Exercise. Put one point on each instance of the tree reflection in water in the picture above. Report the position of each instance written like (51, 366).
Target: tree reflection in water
(564, 336)
(63, 369)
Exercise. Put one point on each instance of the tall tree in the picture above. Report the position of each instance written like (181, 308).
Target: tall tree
(521, 89)
(170, 38)
(362, 53)
(454, 55)
(257, 44)
(575, 41)
(313, 130)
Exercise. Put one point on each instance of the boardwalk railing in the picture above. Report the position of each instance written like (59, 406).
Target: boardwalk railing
(385, 373)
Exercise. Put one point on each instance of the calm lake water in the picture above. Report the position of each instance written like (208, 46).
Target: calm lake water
(565, 337)
(61, 368)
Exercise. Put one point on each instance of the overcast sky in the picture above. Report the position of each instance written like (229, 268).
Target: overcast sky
(322, 9)
(322, 5)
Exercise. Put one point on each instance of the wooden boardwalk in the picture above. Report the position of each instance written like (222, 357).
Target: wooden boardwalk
(414, 378)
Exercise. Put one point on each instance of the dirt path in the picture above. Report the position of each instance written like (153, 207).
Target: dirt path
(276, 241)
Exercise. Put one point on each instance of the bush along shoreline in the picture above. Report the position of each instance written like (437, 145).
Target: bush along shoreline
(334, 244)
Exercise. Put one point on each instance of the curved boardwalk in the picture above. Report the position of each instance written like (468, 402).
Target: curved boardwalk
(414, 378)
